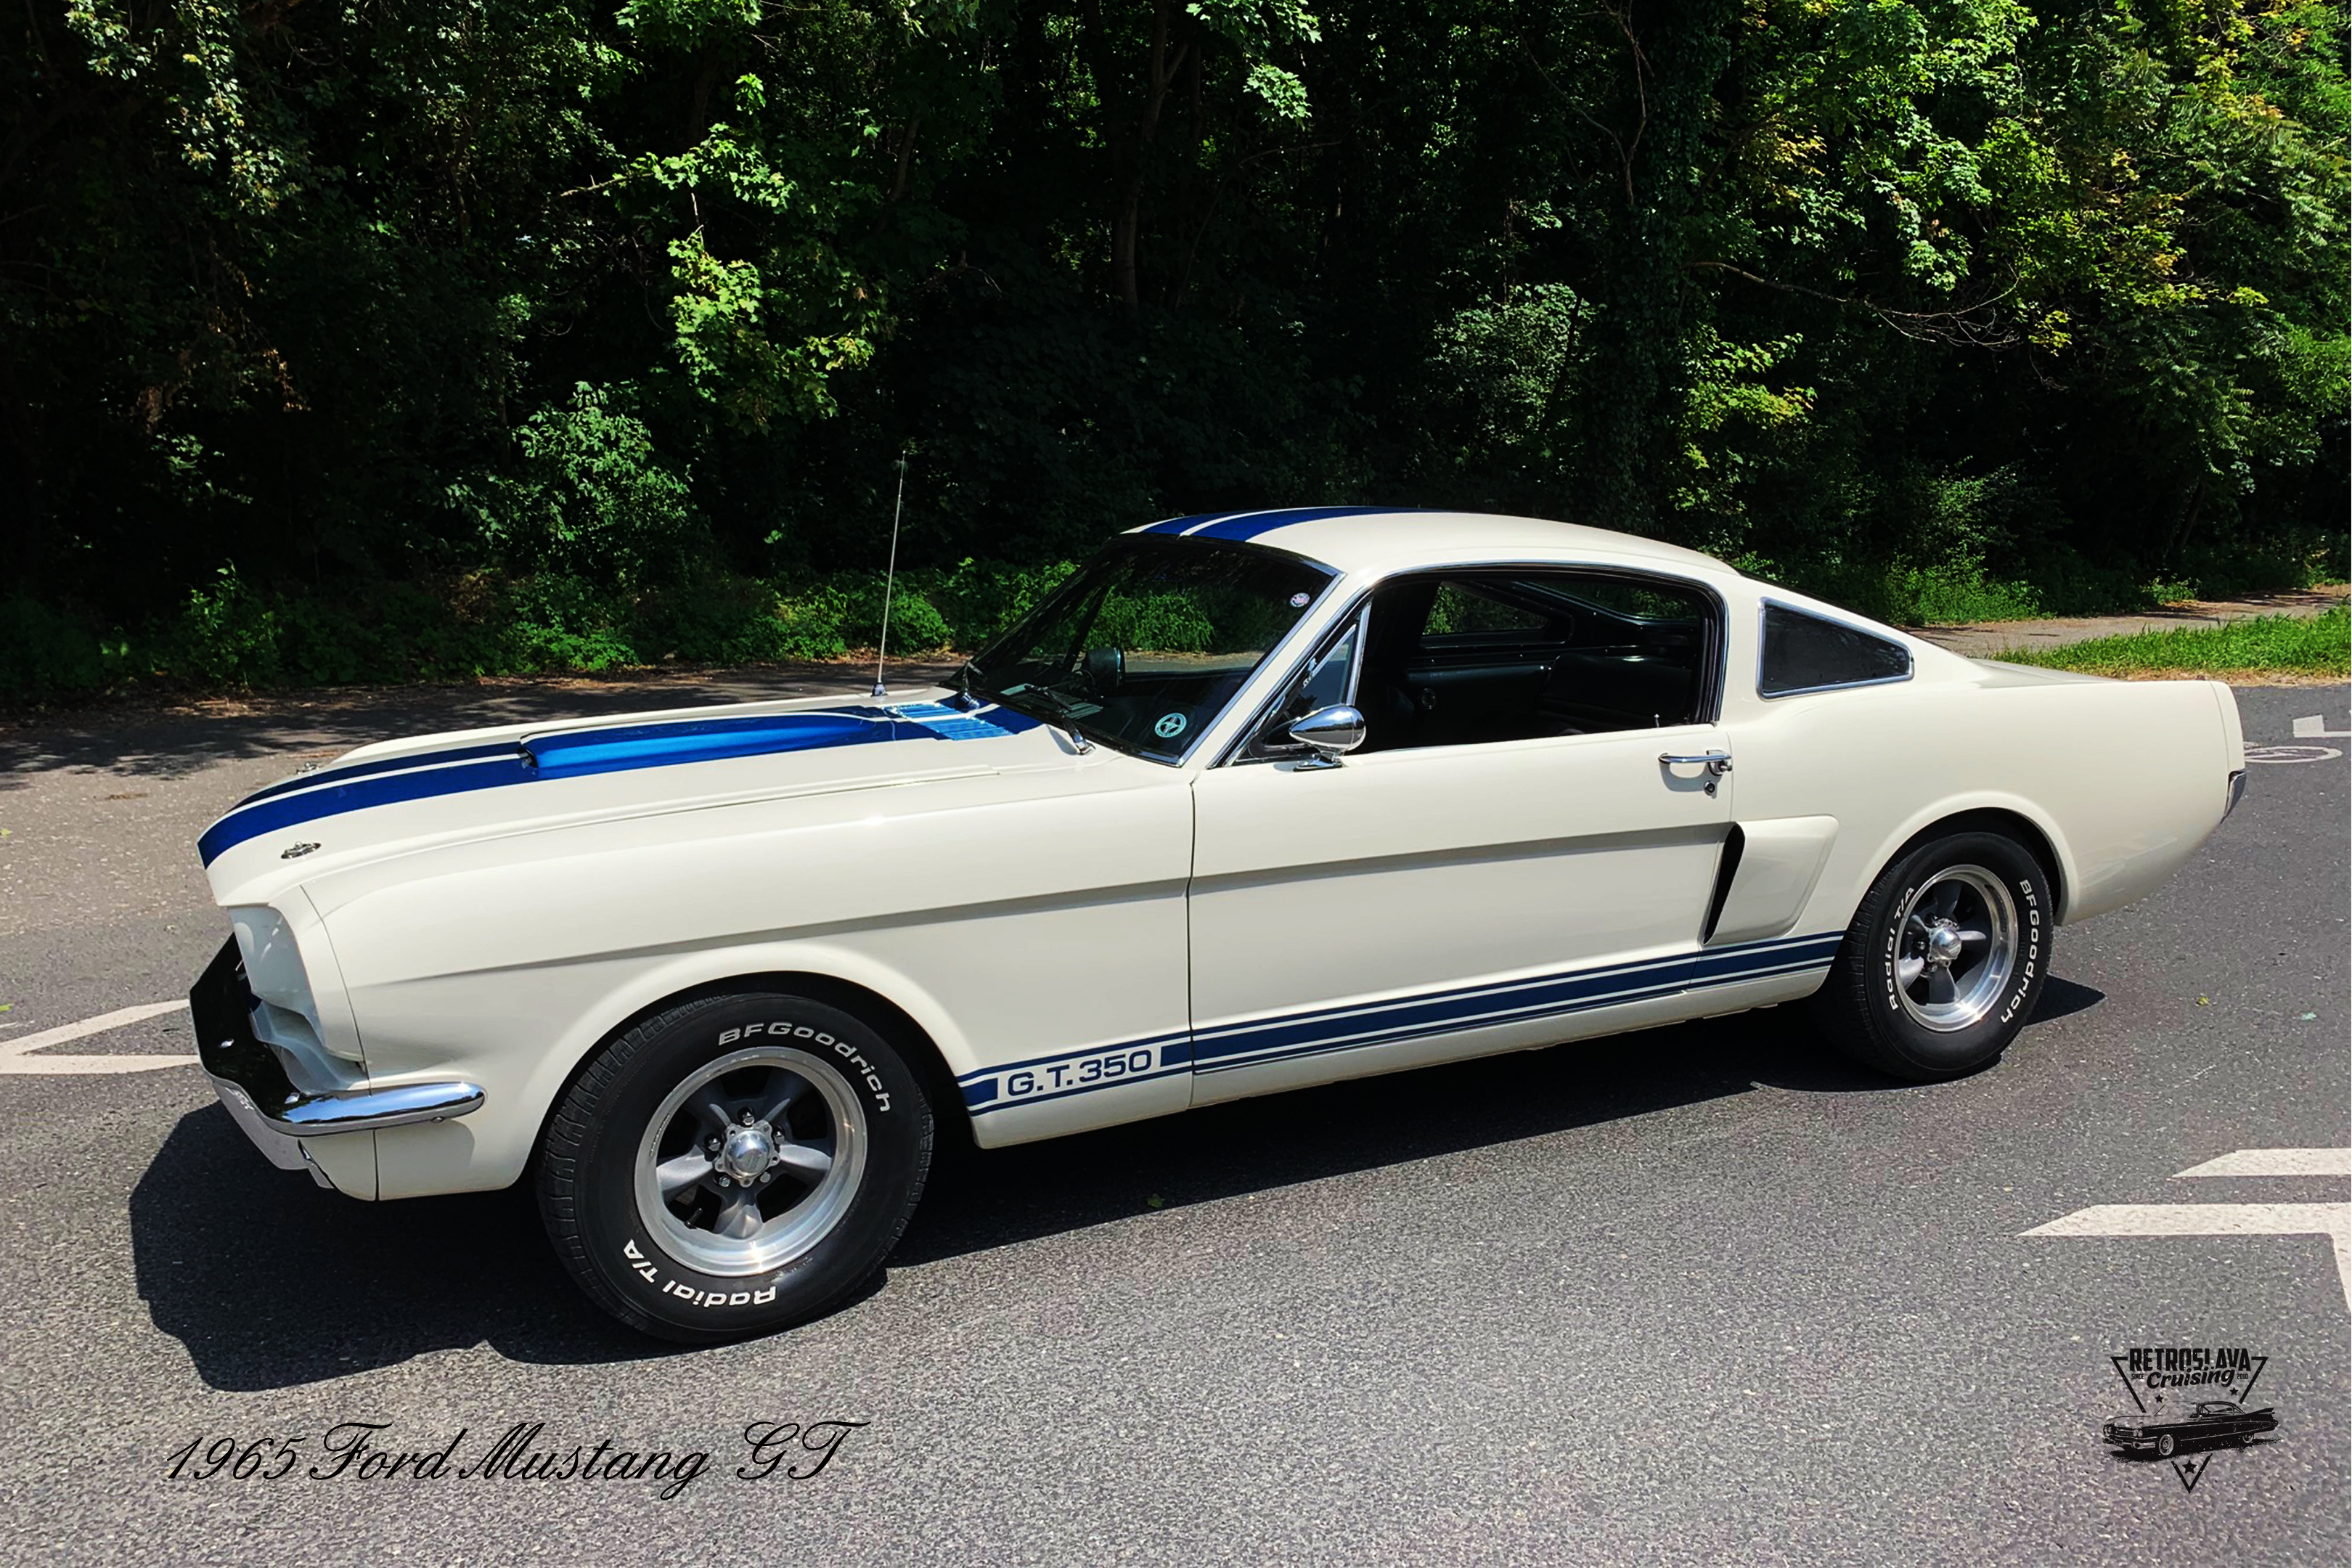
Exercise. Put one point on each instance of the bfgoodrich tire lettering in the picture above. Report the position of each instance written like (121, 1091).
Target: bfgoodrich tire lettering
(1945, 959)
(734, 1164)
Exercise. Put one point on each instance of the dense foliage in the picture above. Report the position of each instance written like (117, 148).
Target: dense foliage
(421, 324)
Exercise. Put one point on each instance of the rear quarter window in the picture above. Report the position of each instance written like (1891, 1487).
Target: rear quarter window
(1806, 653)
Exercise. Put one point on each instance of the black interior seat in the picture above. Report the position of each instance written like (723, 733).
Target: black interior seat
(1384, 696)
(1592, 691)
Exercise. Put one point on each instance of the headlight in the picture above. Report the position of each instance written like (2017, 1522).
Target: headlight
(288, 1013)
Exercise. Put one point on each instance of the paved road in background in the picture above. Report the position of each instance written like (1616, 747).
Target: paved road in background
(1698, 1295)
(1990, 639)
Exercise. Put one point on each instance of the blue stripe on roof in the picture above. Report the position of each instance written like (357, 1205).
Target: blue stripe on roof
(1179, 524)
(1249, 526)
(577, 753)
(1238, 526)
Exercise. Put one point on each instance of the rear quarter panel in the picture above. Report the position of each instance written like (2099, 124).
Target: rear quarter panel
(2124, 779)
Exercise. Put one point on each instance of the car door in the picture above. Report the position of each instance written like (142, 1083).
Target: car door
(1464, 884)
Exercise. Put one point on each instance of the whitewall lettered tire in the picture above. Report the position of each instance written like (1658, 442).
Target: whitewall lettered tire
(734, 1164)
(1945, 959)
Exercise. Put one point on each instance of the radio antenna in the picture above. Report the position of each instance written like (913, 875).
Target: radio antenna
(890, 580)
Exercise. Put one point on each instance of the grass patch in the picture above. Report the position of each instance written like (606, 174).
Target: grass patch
(2312, 646)
(231, 635)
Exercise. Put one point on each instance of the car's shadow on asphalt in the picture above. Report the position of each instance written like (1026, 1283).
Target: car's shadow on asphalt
(270, 1282)
(976, 1201)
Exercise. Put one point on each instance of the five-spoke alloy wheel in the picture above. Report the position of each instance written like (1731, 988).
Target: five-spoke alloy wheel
(734, 1164)
(713, 1153)
(1957, 949)
(1945, 958)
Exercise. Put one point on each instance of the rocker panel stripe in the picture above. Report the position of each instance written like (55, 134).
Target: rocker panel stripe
(1224, 1047)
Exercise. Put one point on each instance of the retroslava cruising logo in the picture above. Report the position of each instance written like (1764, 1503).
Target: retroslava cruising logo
(2188, 1401)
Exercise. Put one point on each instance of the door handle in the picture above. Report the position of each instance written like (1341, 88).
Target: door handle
(1717, 763)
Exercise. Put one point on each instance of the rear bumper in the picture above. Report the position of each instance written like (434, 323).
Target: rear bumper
(252, 1082)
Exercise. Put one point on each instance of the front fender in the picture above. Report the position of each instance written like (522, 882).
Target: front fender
(523, 1072)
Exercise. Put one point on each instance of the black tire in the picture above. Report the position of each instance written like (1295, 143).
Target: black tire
(1869, 1011)
(810, 1239)
(2165, 1445)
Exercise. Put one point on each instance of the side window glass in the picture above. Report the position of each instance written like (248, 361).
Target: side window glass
(1458, 609)
(1806, 653)
(1525, 656)
(1326, 684)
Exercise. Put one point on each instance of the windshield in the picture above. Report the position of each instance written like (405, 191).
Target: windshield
(1144, 648)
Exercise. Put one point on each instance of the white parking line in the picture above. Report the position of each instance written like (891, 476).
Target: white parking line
(16, 1056)
(2332, 1221)
(2316, 729)
(2276, 1162)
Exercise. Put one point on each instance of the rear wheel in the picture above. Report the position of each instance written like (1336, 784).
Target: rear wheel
(1943, 961)
(734, 1164)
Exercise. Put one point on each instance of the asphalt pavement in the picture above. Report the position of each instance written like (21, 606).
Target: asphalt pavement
(1698, 1295)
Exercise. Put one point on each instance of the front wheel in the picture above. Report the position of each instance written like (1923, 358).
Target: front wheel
(2165, 1444)
(734, 1165)
(1943, 961)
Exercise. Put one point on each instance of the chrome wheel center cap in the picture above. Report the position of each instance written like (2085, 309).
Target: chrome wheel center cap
(1943, 945)
(746, 1153)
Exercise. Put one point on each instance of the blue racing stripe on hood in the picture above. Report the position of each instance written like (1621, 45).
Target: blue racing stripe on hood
(381, 765)
(573, 752)
(578, 753)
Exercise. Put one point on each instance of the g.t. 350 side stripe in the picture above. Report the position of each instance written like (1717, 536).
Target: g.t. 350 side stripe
(1226, 1046)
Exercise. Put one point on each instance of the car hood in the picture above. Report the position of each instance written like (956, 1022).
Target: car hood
(472, 784)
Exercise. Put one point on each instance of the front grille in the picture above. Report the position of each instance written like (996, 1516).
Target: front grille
(222, 1010)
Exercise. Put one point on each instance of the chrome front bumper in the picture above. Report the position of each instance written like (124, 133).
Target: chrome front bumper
(253, 1084)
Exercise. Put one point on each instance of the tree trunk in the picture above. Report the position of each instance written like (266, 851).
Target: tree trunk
(1160, 74)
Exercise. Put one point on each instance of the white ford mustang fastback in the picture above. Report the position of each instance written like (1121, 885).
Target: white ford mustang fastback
(1252, 802)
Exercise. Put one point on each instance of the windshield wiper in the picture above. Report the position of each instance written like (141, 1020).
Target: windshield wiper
(1063, 708)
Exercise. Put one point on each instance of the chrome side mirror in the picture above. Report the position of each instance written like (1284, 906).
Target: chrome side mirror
(1329, 734)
